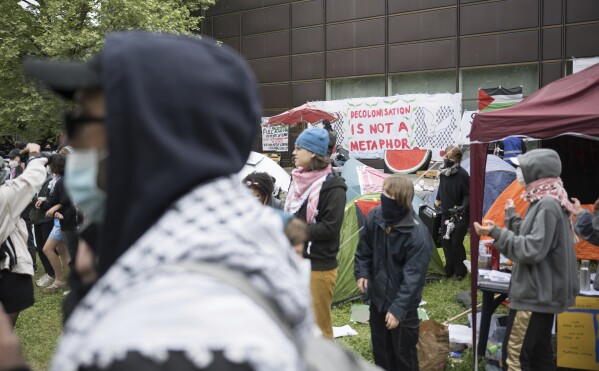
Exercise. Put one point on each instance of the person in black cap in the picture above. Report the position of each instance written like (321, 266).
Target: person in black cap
(197, 104)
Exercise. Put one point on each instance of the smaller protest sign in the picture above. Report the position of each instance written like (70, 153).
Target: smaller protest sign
(275, 138)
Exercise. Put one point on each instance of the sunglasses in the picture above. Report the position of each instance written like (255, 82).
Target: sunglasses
(74, 121)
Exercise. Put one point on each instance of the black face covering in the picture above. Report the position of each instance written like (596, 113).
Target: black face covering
(392, 212)
(448, 163)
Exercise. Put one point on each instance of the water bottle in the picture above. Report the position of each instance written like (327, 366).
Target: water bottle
(585, 276)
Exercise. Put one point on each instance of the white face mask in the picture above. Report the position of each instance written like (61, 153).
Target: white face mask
(81, 183)
(520, 176)
(48, 170)
(13, 164)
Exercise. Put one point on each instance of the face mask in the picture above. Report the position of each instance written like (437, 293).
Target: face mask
(80, 181)
(48, 171)
(520, 176)
(448, 163)
(13, 164)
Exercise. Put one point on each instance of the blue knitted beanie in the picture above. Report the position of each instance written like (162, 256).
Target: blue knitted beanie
(315, 140)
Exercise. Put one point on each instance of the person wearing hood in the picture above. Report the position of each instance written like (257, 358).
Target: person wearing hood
(142, 303)
(317, 196)
(390, 268)
(454, 195)
(587, 223)
(541, 245)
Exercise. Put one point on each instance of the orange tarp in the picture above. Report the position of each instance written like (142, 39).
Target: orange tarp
(584, 250)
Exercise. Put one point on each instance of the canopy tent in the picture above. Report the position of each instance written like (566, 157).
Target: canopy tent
(565, 107)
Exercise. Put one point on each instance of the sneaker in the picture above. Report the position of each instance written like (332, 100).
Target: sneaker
(55, 287)
(44, 281)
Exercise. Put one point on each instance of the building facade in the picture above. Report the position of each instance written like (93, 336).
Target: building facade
(309, 50)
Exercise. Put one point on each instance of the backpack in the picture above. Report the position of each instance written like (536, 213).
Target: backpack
(320, 354)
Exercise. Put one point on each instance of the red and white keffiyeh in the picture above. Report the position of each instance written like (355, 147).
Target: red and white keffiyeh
(548, 187)
(306, 185)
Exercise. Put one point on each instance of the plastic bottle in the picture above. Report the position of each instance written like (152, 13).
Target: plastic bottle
(585, 276)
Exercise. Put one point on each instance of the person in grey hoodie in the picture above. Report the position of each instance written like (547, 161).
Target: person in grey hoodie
(541, 245)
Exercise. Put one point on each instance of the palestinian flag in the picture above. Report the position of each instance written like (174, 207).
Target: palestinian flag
(496, 98)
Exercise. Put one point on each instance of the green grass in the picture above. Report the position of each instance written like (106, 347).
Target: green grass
(39, 326)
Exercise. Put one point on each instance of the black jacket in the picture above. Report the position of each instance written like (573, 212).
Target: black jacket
(454, 190)
(38, 216)
(394, 263)
(323, 245)
(68, 210)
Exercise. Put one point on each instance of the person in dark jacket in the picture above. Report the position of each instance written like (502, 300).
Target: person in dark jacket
(317, 196)
(61, 210)
(262, 186)
(587, 223)
(454, 199)
(390, 267)
(42, 226)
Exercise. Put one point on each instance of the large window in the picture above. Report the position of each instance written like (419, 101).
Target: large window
(358, 87)
(473, 79)
(423, 82)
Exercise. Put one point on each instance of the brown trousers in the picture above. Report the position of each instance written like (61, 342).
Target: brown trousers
(322, 284)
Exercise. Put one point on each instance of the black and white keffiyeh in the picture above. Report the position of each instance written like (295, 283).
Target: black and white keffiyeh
(218, 222)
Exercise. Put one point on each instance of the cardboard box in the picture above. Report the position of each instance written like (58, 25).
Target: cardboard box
(578, 335)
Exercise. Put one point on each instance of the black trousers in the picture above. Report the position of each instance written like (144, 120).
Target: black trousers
(42, 231)
(527, 343)
(31, 243)
(454, 250)
(395, 349)
(71, 239)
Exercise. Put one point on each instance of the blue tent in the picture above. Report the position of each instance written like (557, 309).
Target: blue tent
(498, 176)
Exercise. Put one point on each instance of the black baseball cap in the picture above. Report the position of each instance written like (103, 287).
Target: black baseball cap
(65, 77)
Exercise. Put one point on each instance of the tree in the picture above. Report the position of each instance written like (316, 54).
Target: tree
(69, 29)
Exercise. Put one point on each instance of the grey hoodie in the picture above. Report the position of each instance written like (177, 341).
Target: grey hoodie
(541, 245)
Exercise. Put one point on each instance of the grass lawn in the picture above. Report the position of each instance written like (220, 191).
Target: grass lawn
(39, 326)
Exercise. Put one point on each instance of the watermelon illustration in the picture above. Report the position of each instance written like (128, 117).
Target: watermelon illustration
(407, 161)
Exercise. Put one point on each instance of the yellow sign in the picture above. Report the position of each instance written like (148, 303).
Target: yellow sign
(578, 335)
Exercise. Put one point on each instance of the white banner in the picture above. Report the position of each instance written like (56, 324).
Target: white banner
(368, 126)
(275, 138)
(579, 64)
(465, 127)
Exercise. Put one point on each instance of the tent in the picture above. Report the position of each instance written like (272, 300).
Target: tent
(584, 249)
(259, 162)
(498, 176)
(565, 107)
(361, 179)
(354, 218)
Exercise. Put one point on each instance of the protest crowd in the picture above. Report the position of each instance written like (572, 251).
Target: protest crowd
(190, 267)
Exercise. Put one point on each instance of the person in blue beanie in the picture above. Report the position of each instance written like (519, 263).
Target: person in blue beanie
(317, 196)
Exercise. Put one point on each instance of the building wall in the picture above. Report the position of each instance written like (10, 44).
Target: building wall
(308, 50)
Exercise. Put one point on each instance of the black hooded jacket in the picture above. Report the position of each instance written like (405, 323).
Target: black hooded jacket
(179, 112)
(324, 234)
